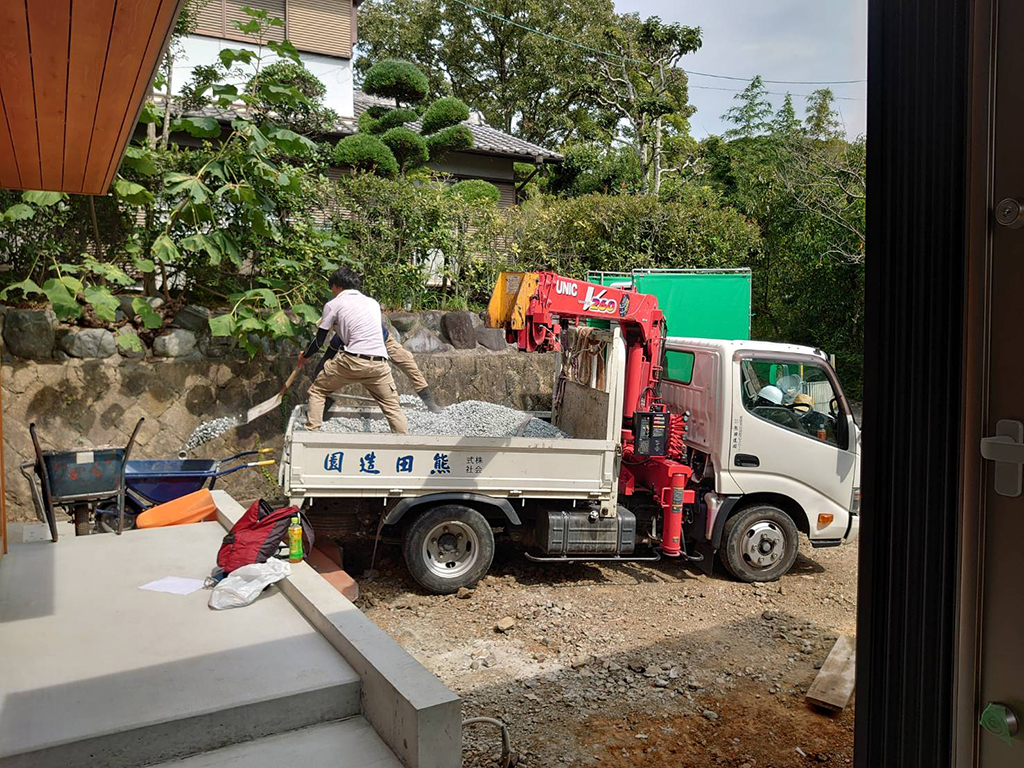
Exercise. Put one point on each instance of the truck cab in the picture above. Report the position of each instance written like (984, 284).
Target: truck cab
(776, 449)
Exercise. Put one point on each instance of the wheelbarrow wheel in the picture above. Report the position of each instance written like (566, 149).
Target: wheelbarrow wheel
(82, 525)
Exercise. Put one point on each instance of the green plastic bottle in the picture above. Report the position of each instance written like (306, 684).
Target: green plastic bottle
(295, 541)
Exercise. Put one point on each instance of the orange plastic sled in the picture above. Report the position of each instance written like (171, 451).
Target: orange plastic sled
(191, 508)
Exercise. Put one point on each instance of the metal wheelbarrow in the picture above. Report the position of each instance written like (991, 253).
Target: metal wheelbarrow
(78, 481)
(155, 481)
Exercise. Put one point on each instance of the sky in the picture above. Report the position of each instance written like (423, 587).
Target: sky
(777, 39)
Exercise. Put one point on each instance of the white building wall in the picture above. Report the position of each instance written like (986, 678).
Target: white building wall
(334, 72)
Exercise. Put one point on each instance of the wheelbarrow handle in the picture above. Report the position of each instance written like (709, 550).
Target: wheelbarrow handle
(265, 463)
(266, 450)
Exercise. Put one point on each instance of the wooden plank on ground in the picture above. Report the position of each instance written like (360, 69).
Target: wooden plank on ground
(833, 686)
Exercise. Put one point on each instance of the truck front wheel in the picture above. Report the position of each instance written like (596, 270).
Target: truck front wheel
(448, 547)
(759, 543)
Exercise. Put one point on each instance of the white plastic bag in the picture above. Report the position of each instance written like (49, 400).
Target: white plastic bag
(243, 585)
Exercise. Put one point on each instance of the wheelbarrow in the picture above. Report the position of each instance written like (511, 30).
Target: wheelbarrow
(156, 481)
(78, 481)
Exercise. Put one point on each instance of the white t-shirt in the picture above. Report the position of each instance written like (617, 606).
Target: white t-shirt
(357, 321)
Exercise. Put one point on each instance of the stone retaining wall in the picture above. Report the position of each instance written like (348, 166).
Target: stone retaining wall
(91, 401)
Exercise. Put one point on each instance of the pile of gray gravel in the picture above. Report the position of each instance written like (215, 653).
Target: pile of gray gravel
(208, 430)
(470, 418)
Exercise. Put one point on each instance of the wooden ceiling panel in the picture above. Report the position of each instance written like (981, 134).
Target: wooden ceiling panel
(17, 92)
(166, 13)
(89, 55)
(49, 26)
(73, 76)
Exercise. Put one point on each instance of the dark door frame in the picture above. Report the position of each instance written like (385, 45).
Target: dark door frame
(929, 120)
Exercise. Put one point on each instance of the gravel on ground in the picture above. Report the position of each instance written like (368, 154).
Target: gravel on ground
(633, 664)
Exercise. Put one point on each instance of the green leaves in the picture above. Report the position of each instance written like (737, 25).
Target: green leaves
(183, 182)
(231, 56)
(222, 325)
(102, 301)
(27, 287)
(290, 141)
(198, 127)
(149, 316)
(63, 295)
(200, 242)
(307, 313)
(129, 341)
(140, 160)
(144, 265)
(151, 114)
(164, 249)
(284, 49)
(43, 199)
(18, 212)
(225, 93)
(133, 193)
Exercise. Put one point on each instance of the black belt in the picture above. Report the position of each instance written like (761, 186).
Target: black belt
(374, 358)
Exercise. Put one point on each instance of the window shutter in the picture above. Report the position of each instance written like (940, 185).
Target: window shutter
(210, 19)
(233, 12)
(321, 26)
(506, 193)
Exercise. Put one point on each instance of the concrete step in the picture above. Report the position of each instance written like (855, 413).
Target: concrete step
(97, 672)
(350, 743)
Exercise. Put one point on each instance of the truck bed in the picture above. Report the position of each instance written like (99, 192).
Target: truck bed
(337, 465)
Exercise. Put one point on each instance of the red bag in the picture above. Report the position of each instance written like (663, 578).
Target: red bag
(258, 535)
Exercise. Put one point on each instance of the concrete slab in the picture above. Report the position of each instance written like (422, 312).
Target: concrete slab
(350, 743)
(413, 711)
(97, 672)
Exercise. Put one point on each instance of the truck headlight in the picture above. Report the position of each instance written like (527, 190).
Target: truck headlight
(855, 502)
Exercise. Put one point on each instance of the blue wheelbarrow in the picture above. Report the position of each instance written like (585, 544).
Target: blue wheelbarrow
(149, 482)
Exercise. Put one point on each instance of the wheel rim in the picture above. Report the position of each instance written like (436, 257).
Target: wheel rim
(764, 544)
(450, 549)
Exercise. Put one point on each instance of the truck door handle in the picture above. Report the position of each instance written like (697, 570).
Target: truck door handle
(746, 460)
(1006, 449)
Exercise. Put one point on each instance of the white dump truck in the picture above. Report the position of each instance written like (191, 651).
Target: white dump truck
(675, 447)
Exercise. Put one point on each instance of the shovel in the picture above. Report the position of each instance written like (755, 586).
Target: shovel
(268, 405)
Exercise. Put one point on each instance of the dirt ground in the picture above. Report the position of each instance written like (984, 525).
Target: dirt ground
(645, 664)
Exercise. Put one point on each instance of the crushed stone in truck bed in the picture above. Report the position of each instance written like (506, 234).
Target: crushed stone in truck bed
(470, 418)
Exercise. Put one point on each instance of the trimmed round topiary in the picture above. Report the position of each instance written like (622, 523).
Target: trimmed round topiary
(366, 153)
(397, 79)
(286, 72)
(408, 147)
(444, 112)
(475, 189)
(449, 139)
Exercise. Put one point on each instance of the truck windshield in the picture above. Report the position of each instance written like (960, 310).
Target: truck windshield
(794, 395)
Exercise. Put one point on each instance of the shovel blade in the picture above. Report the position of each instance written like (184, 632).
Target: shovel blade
(263, 408)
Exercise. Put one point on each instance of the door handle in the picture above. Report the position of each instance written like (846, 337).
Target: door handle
(746, 460)
(1006, 449)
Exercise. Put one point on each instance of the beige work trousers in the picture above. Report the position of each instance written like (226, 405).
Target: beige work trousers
(374, 375)
(406, 363)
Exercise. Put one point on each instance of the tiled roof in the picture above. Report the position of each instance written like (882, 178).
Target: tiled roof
(486, 140)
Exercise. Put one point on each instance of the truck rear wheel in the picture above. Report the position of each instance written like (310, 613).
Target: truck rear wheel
(448, 547)
(759, 543)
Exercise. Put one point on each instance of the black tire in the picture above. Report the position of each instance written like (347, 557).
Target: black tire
(759, 543)
(458, 557)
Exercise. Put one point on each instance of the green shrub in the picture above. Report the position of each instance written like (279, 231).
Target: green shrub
(444, 112)
(451, 139)
(397, 79)
(366, 153)
(305, 117)
(373, 122)
(475, 189)
(408, 147)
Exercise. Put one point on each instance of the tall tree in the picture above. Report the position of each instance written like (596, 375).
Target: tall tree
(822, 120)
(523, 82)
(644, 87)
(786, 123)
(752, 115)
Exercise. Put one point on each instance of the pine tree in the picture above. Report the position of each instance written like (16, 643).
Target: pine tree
(786, 124)
(753, 115)
(822, 122)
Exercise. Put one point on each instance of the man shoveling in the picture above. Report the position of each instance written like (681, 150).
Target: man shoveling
(403, 360)
(363, 359)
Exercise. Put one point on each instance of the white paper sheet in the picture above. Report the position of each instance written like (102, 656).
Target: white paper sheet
(174, 585)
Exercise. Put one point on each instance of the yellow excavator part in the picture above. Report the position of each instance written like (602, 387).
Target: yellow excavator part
(510, 299)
